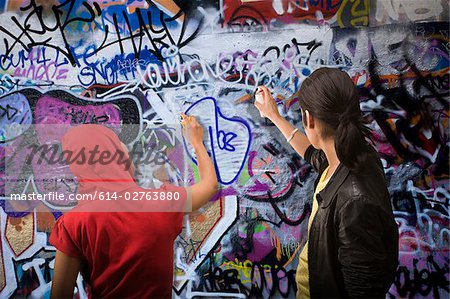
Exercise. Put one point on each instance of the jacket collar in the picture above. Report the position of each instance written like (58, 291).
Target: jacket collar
(325, 196)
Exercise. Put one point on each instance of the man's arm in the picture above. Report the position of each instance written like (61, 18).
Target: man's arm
(64, 276)
(208, 185)
(205, 189)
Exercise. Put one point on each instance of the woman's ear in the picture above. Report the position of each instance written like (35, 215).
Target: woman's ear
(309, 120)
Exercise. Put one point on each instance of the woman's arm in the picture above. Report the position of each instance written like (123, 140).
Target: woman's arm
(268, 108)
(208, 185)
(362, 250)
(65, 275)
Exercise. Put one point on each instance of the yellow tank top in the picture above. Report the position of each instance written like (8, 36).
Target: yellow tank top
(302, 275)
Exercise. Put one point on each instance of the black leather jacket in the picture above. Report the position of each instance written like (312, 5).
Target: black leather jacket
(353, 241)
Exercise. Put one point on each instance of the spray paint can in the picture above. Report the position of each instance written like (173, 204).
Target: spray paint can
(258, 95)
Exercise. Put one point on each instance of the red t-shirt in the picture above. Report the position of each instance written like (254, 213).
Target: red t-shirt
(124, 254)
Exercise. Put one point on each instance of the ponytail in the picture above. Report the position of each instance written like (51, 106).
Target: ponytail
(350, 141)
(330, 95)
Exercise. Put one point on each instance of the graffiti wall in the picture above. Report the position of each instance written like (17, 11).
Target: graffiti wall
(144, 62)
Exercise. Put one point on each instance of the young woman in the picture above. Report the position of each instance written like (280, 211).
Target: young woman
(122, 253)
(352, 244)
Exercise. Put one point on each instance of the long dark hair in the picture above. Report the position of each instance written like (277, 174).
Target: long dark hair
(330, 95)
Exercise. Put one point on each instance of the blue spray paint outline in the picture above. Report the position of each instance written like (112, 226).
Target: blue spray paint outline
(234, 119)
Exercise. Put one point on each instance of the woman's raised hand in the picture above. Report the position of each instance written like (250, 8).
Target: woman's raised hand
(265, 103)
